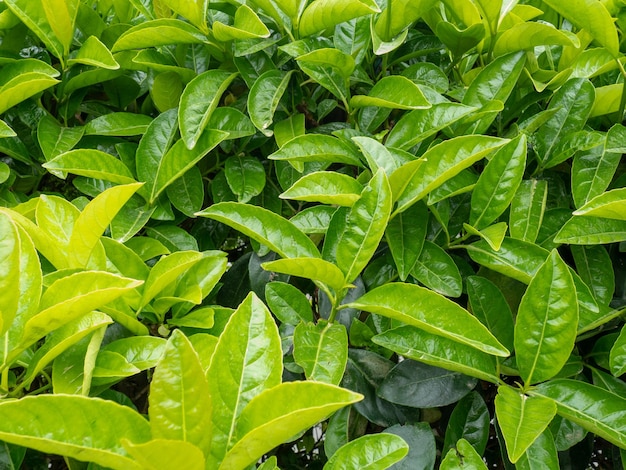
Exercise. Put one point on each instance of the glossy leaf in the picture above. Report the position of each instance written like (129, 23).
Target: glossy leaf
(617, 357)
(547, 320)
(180, 405)
(394, 91)
(322, 14)
(542, 454)
(286, 410)
(373, 451)
(379, 156)
(246, 25)
(609, 205)
(246, 362)
(194, 111)
(591, 16)
(118, 124)
(532, 34)
(54, 139)
(393, 20)
(325, 187)
(321, 350)
(317, 148)
(264, 97)
(163, 454)
(158, 32)
(593, 264)
(93, 221)
(436, 269)
(489, 305)
(194, 11)
(245, 176)
(187, 192)
(592, 172)
(431, 312)
(179, 159)
(365, 226)
(268, 228)
(590, 230)
(92, 164)
(462, 457)
(496, 81)
(42, 423)
(315, 269)
(595, 409)
(442, 162)
(527, 208)
(17, 89)
(405, 235)
(439, 351)
(411, 383)
(470, 421)
(420, 124)
(574, 99)
(521, 419)
(498, 183)
(288, 303)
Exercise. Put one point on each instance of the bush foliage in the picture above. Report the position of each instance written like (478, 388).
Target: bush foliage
(302, 234)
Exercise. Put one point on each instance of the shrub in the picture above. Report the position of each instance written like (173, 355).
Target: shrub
(338, 233)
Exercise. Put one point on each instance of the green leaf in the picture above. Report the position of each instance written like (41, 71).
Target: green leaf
(94, 220)
(92, 164)
(323, 14)
(365, 226)
(442, 162)
(405, 235)
(515, 258)
(464, 456)
(595, 409)
(439, 351)
(521, 419)
(542, 454)
(325, 187)
(379, 156)
(61, 339)
(245, 176)
(404, 12)
(288, 303)
(167, 88)
(247, 361)
(418, 385)
(493, 235)
(165, 454)
(436, 269)
(187, 192)
(246, 25)
(264, 97)
(180, 404)
(159, 32)
(118, 124)
(314, 219)
(143, 352)
(279, 413)
(489, 305)
(394, 91)
(470, 421)
(498, 183)
(592, 172)
(617, 357)
(594, 266)
(593, 17)
(547, 320)
(315, 269)
(532, 34)
(609, 205)
(195, 11)
(62, 424)
(179, 159)
(264, 226)
(72, 297)
(54, 139)
(371, 452)
(418, 125)
(527, 208)
(195, 109)
(23, 87)
(331, 68)
(231, 120)
(575, 99)
(317, 148)
(5, 130)
(93, 52)
(590, 230)
(427, 310)
(321, 350)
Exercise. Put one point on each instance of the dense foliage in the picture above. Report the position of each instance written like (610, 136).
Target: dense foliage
(329, 233)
